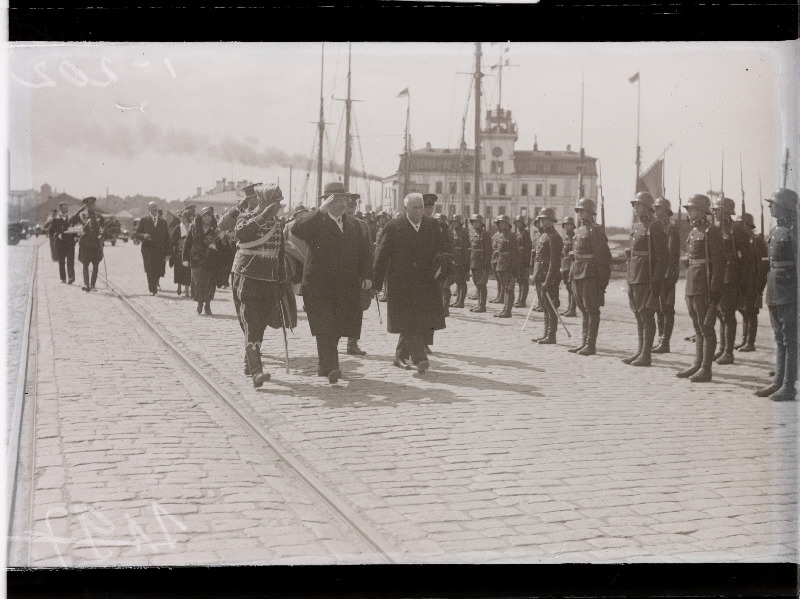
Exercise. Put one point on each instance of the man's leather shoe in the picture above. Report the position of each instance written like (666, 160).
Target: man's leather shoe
(354, 350)
(402, 364)
(334, 376)
(423, 366)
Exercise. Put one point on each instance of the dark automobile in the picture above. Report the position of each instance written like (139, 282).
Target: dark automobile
(16, 231)
(113, 230)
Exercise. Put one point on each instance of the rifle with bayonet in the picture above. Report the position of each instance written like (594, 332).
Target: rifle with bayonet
(602, 198)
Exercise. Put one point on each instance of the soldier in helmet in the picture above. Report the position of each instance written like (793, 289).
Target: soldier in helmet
(665, 315)
(480, 259)
(739, 270)
(647, 264)
(460, 242)
(751, 300)
(568, 224)
(505, 261)
(547, 272)
(705, 262)
(525, 245)
(782, 294)
(448, 278)
(591, 271)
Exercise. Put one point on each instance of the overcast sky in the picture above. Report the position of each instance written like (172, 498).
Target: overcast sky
(163, 119)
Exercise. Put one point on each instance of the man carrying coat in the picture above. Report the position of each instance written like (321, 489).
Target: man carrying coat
(152, 231)
(90, 245)
(338, 265)
(410, 253)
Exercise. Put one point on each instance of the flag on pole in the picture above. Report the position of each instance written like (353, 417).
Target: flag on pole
(651, 179)
(634, 78)
(403, 93)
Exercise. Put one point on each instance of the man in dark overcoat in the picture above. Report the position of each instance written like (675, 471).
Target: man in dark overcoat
(90, 246)
(337, 267)
(408, 256)
(153, 232)
(64, 244)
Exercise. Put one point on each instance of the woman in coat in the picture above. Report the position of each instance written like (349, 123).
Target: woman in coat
(181, 274)
(201, 255)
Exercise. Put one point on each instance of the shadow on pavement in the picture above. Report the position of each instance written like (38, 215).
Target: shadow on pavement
(487, 361)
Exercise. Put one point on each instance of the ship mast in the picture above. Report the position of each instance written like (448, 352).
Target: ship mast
(476, 201)
(580, 163)
(321, 126)
(347, 142)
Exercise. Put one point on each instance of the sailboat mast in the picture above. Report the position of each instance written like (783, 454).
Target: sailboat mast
(580, 164)
(347, 143)
(476, 201)
(321, 126)
(407, 172)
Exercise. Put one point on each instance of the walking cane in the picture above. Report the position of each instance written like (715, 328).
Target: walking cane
(285, 339)
(378, 304)
(552, 305)
(522, 328)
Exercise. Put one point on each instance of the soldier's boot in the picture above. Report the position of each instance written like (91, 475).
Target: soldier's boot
(509, 302)
(780, 370)
(571, 306)
(353, 349)
(460, 293)
(640, 332)
(730, 339)
(584, 338)
(501, 295)
(660, 321)
(546, 330)
(698, 359)
(523, 295)
(721, 349)
(591, 340)
(704, 374)
(745, 330)
(663, 344)
(787, 390)
(644, 358)
(552, 328)
(752, 327)
(253, 352)
(246, 365)
(483, 292)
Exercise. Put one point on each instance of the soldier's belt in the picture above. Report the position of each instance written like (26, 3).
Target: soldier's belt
(584, 256)
(693, 261)
(640, 253)
(781, 263)
(264, 253)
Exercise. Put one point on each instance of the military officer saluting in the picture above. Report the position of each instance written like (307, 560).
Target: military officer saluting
(739, 269)
(705, 262)
(568, 224)
(665, 315)
(647, 264)
(480, 259)
(460, 242)
(505, 262)
(750, 301)
(782, 294)
(525, 245)
(590, 273)
(547, 272)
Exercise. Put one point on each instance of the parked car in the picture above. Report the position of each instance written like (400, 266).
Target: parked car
(16, 231)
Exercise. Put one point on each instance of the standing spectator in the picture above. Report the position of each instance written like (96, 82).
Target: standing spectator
(337, 268)
(152, 232)
(201, 255)
(90, 246)
(410, 252)
(48, 226)
(181, 274)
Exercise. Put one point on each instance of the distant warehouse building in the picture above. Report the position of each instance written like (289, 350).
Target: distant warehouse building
(224, 195)
(512, 181)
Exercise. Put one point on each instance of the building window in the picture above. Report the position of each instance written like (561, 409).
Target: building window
(487, 213)
(501, 189)
(437, 208)
(539, 190)
(451, 209)
(438, 187)
(501, 210)
(493, 167)
(453, 188)
(553, 191)
(467, 188)
(524, 189)
(489, 189)
(497, 167)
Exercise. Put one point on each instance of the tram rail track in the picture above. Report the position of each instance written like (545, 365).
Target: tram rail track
(361, 527)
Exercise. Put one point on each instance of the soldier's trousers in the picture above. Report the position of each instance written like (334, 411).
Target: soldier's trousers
(571, 303)
(727, 314)
(550, 316)
(524, 284)
(783, 318)
(257, 304)
(588, 296)
(90, 281)
(66, 264)
(665, 315)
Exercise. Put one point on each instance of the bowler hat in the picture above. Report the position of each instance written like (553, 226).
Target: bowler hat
(429, 199)
(337, 188)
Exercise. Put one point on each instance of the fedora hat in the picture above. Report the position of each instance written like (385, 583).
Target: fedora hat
(337, 188)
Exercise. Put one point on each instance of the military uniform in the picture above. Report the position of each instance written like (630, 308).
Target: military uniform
(591, 271)
(705, 263)
(665, 315)
(782, 295)
(447, 278)
(525, 246)
(647, 265)
(751, 300)
(480, 262)
(547, 274)
(567, 253)
(505, 263)
(90, 244)
(459, 238)
(64, 244)
(259, 279)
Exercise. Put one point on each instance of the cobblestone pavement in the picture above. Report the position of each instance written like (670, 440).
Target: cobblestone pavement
(506, 451)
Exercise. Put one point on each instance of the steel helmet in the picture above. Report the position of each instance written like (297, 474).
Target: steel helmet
(359, 214)
(568, 220)
(663, 202)
(586, 204)
(645, 199)
(505, 218)
(547, 213)
(725, 205)
(748, 221)
(700, 202)
(382, 213)
(442, 218)
(520, 219)
(477, 217)
(784, 198)
(457, 218)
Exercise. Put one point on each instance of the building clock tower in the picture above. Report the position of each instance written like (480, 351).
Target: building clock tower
(498, 140)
